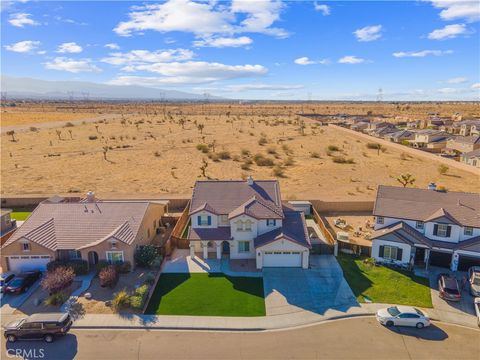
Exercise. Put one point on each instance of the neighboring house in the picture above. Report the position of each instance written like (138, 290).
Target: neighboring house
(246, 220)
(7, 225)
(426, 227)
(471, 158)
(432, 140)
(375, 126)
(463, 144)
(360, 126)
(91, 230)
(383, 131)
(399, 136)
(469, 127)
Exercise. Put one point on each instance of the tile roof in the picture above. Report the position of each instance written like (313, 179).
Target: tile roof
(471, 154)
(223, 197)
(66, 226)
(293, 228)
(421, 204)
(469, 140)
(220, 233)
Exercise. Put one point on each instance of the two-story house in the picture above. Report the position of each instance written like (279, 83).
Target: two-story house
(247, 220)
(426, 227)
(463, 144)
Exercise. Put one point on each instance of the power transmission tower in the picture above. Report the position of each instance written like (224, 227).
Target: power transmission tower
(380, 95)
(70, 95)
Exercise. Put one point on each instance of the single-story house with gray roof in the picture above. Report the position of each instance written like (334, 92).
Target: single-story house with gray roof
(246, 219)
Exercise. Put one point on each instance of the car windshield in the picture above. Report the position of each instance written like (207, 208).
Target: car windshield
(476, 280)
(2, 282)
(16, 282)
(452, 291)
(419, 312)
(393, 311)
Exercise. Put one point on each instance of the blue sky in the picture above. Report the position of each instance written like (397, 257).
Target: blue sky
(319, 50)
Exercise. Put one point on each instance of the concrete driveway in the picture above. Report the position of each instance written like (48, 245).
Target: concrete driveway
(318, 289)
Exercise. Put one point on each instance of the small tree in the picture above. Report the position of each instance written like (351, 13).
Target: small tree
(12, 134)
(105, 151)
(108, 276)
(406, 179)
(59, 134)
(203, 168)
(443, 169)
(145, 255)
(200, 127)
(58, 279)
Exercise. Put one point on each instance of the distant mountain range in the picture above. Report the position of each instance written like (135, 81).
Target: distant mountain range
(28, 88)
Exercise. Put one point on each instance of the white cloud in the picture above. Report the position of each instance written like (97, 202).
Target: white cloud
(247, 87)
(458, 9)
(324, 9)
(190, 72)
(23, 46)
(423, 53)
(70, 48)
(204, 19)
(457, 80)
(307, 61)
(449, 90)
(221, 42)
(448, 32)
(351, 60)
(71, 65)
(21, 19)
(112, 46)
(139, 57)
(368, 33)
(475, 86)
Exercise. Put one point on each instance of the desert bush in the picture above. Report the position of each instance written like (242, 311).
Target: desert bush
(342, 160)
(203, 148)
(120, 300)
(245, 166)
(289, 161)
(145, 254)
(245, 152)
(278, 171)
(315, 155)
(261, 160)
(374, 146)
(271, 150)
(442, 169)
(236, 158)
(33, 129)
(332, 148)
(69, 124)
(262, 141)
(58, 279)
(224, 155)
(56, 299)
(108, 276)
(93, 137)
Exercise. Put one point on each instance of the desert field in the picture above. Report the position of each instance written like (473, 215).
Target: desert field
(164, 149)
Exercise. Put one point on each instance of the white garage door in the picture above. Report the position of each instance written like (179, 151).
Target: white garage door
(19, 264)
(282, 259)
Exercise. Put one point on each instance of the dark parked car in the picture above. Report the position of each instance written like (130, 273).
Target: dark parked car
(22, 282)
(448, 288)
(38, 326)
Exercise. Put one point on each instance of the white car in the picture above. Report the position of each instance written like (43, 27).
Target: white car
(403, 316)
(476, 304)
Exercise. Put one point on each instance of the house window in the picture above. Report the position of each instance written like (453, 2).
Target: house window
(468, 231)
(204, 220)
(74, 255)
(248, 225)
(390, 252)
(243, 246)
(114, 257)
(442, 230)
(239, 225)
(271, 222)
(114, 244)
(419, 225)
(25, 246)
(380, 220)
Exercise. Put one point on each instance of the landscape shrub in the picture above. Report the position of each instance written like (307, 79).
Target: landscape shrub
(102, 264)
(150, 278)
(124, 267)
(108, 276)
(80, 267)
(58, 279)
(261, 160)
(56, 299)
(332, 148)
(136, 302)
(120, 300)
(141, 290)
(156, 262)
(145, 254)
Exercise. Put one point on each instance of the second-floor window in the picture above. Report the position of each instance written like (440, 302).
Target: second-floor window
(380, 220)
(271, 222)
(25, 246)
(419, 225)
(468, 231)
(204, 220)
(244, 225)
(442, 230)
(224, 219)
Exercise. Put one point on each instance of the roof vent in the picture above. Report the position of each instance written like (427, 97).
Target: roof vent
(90, 197)
(250, 180)
(432, 186)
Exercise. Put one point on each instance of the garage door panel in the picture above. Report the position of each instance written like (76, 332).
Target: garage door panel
(282, 259)
(19, 264)
(466, 262)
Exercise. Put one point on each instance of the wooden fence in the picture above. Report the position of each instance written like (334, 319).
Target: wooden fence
(323, 228)
(176, 239)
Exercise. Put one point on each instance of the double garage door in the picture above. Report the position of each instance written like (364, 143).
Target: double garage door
(282, 259)
(19, 264)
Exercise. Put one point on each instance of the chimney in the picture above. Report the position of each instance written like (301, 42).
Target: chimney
(432, 186)
(90, 197)
(250, 180)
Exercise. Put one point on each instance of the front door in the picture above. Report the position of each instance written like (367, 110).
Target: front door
(225, 248)
(92, 257)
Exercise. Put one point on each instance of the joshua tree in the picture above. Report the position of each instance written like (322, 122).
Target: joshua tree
(406, 179)
(105, 150)
(59, 134)
(213, 144)
(182, 123)
(12, 134)
(71, 134)
(203, 168)
(200, 127)
(301, 127)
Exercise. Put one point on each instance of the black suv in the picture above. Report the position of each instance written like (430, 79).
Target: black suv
(38, 326)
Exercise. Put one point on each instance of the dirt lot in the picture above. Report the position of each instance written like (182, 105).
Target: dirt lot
(357, 228)
(100, 295)
(153, 150)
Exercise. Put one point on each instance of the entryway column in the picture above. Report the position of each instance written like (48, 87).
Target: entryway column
(205, 250)
(218, 246)
(454, 262)
(192, 250)
(426, 259)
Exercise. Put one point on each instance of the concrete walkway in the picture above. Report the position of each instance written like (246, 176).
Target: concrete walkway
(86, 281)
(181, 262)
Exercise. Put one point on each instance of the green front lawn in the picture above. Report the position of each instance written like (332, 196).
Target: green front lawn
(208, 295)
(20, 215)
(384, 285)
